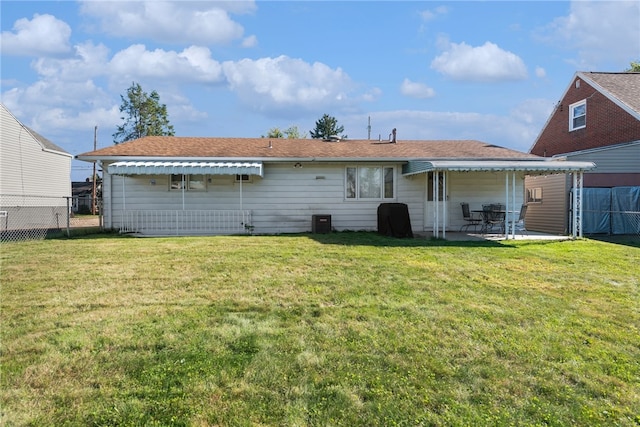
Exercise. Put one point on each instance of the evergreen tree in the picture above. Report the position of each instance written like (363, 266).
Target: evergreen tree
(326, 127)
(143, 115)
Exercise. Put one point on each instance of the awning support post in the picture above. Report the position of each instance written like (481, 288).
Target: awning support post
(436, 177)
(240, 192)
(513, 198)
(577, 205)
(506, 204)
(444, 205)
(183, 185)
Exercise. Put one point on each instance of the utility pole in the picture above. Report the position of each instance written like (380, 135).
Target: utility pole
(94, 208)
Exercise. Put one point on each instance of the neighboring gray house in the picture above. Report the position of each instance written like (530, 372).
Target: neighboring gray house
(596, 120)
(35, 178)
(163, 185)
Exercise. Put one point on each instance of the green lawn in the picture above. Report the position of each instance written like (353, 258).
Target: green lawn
(346, 329)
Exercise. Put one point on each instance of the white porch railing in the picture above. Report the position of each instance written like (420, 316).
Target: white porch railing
(191, 222)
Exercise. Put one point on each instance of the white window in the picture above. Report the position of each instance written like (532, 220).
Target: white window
(197, 183)
(178, 182)
(534, 195)
(578, 115)
(369, 183)
(188, 182)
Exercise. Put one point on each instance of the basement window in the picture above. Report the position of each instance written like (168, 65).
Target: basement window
(578, 115)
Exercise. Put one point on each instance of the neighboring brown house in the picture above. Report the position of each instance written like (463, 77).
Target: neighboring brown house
(597, 119)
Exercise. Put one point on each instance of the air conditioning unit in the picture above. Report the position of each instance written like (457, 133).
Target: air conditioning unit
(321, 223)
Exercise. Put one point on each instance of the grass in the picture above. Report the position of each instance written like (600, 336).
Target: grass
(346, 329)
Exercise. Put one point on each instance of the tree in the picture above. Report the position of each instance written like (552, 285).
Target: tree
(326, 127)
(635, 67)
(275, 133)
(291, 132)
(143, 115)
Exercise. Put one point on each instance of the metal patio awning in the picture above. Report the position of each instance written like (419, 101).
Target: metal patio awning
(186, 168)
(532, 166)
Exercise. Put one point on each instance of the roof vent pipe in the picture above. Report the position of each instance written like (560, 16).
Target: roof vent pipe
(392, 136)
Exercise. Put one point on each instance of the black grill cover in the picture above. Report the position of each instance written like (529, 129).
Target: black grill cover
(393, 220)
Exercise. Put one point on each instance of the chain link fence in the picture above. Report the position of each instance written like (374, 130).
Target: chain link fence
(628, 222)
(611, 223)
(36, 217)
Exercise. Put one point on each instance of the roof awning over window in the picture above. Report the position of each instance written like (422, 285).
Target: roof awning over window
(185, 168)
(531, 166)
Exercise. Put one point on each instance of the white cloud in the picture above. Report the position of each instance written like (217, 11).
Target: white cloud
(372, 94)
(43, 35)
(541, 72)
(598, 32)
(429, 15)
(89, 62)
(60, 118)
(250, 41)
(283, 83)
(192, 64)
(516, 130)
(416, 90)
(486, 63)
(170, 21)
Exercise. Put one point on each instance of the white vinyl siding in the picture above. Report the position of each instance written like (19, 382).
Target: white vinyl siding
(26, 168)
(283, 201)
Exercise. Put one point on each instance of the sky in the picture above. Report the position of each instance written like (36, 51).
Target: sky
(484, 70)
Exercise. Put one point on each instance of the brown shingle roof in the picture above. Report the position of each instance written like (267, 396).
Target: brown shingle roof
(624, 86)
(165, 147)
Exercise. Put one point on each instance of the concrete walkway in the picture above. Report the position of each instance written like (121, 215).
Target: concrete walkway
(531, 235)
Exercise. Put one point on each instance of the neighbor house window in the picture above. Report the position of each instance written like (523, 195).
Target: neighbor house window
(243, 178)
(369, 183)
(578, 115)
(188, 182)
(534, 195)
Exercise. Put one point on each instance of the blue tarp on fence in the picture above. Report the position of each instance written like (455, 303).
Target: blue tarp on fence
(611, 210)
(625, 207)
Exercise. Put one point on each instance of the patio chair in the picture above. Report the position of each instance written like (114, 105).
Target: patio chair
(519, 223)
(469, 218)
(494, 216)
